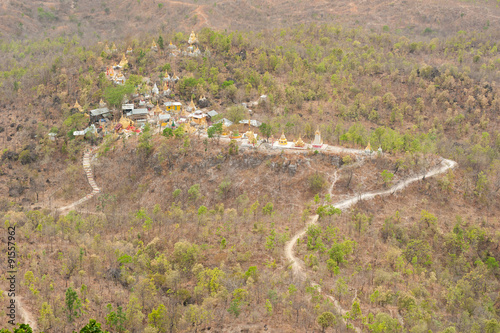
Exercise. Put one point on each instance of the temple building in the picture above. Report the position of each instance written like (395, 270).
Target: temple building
(192, 38)
(283, 141)
(172, 46)
(317, 143)
(173, 106)
(300, 143)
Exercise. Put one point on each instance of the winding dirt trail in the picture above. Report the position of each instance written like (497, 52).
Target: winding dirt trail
(87, 157)
(298, 266)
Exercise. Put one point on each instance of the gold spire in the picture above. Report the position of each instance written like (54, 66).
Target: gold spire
(368, 148)
(165, 86)
(153, 45)
(191, 105)
(129, 49)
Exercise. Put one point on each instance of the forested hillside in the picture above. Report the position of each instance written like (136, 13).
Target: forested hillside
(188, 232)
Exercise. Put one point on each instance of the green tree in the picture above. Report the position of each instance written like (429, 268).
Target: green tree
(194, 192)
(316, 182)
(326, 319)
(92, 327)
(73, 304)
(387, 177)
(266, 130)
(145, 145)
(116, 319)
(168, 132)
(236, 113)
(160, 42)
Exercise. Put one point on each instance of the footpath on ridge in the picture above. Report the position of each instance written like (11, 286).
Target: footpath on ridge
(297, 265)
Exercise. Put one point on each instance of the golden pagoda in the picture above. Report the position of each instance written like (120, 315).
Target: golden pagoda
(106, 49)
(129, 49)
(101, 103)
(368, 148)
(192, 106)
(154, 46)
(251, 137)
(124, 61)
(113, 48)
(126, 122)
(282, 141)
(299, 142)
(165, 87)
(77, 106)
(157, 110)
(192, 38)
(188, 128)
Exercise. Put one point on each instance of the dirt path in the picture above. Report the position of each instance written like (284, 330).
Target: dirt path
(90, 177)
(298, 266)
(25, 314)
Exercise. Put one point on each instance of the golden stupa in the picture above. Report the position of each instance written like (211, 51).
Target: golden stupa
(283, 141)
(113, 48)
(126, 122)
(153, 45)
(156, 109)
(106, 48)
(77, 106)
(165, 86)
(192, 106)
(101, 103)
(192, 38)
(129, 49)
(368, 148)
(299, 142)
(124, 61)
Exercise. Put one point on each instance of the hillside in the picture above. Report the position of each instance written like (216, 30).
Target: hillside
(365, 195)
(96, 20)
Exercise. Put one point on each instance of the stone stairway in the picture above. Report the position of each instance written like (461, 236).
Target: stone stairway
(87, 156)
